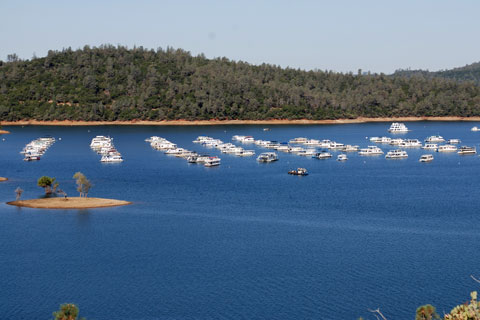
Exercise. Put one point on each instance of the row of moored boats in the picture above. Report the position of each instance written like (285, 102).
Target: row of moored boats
(398, 127)
(228, 147)
(170, 148)
(104, 146)
(300, 146)
(224, 147)
(35, 149)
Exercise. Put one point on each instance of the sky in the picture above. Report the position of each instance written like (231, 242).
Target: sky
(342, 35)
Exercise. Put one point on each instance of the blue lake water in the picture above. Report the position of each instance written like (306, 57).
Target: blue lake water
(243, 240)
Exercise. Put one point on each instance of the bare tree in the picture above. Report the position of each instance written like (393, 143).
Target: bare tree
(83, 184)
(60, 191)
(476, 280)
(377, 314)
(18, 193)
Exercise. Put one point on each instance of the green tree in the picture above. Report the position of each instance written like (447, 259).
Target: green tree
(426, 312)
(114, 83)
(47, 184)
(83, 184)
(467, 311)
(68, 311)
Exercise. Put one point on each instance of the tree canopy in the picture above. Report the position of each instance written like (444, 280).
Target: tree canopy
(68, 311)
(83, 184)
(47, 183)
(469, 72)
(109, 83)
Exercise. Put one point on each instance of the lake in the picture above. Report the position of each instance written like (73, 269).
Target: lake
(244, 240)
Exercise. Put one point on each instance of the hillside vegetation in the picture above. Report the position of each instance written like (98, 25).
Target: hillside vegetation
(469, 72)
(116, 83)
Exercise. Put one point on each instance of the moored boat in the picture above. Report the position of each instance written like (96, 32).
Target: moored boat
(296, 149)
(267, 157)
(245, 153)
(426, 158)
(272, 145)
(396, 154)
(322, 155)
(202, 139)
(447, 148)
(398, 127)
(410, 143)
(435, 139)
(335, 145)
(309, 152)
(248, 139)
(396, 142)
(212, 162)
(370, 151)
(111, 158)
(100, 141)
(430, 146)
(284, 148)
(350, 148)
(299, 172)
(312, 142)
(381, 139)
(454, 141)
(29, 157)
(467, 150)
(299, 140)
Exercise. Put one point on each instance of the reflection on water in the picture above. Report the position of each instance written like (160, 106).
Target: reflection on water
(83, 216)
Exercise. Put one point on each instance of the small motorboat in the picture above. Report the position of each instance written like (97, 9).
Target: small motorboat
(299, 172)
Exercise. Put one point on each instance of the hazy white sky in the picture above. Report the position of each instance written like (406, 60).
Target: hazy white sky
(375, 35)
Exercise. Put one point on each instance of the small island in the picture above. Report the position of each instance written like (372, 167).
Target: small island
(3, 179)
(69, 203)
(51, 187)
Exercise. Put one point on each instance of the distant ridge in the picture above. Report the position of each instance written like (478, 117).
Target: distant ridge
(470, 72)
(109, 83)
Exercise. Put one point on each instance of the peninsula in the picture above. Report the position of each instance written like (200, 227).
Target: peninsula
(3, 179)
(69, 203)
(4, 131)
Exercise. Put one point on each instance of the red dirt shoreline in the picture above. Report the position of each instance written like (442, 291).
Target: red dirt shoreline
(231, 122)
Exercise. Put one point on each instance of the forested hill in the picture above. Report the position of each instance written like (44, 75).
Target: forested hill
(469, 72)
(116, 83)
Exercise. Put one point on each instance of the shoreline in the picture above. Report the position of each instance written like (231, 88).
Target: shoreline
(69, 203)
(3, 179)
(230, 122)
(4, 132)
